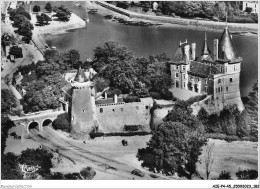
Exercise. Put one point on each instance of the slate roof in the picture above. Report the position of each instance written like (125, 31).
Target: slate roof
(226, 48)
(180, 57)
(202, 69)
(205, 49)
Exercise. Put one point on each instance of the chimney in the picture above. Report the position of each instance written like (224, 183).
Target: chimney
(105, 95)
(193, 51)
(115, 98)
(187, 51)
(215, 54)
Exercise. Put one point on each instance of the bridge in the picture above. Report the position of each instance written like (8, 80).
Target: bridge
(36, 120)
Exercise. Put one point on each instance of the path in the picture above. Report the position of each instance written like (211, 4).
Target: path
(79, 152)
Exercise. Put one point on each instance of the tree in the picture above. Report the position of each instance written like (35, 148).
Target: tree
(40, 157)
(224, 175)
(173, 148)
(16, 51)
(48, 7)
(72, 58)
(36, 8)
(43, 19)
(9, 167)
(248, 174)
(208, 159)
(8, 101)
(62, 13)
(88, 173)
(6, 124)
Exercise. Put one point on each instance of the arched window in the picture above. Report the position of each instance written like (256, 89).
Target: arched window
(219, 80)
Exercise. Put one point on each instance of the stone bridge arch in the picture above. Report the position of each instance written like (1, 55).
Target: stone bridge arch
(33, 125)
(46, 122)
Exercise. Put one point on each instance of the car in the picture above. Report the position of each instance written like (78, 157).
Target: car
(137, 172)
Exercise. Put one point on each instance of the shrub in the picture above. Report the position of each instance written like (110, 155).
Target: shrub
(241, 19)
(9, 167)
(122, 4)
(194, 99)
(72, 176)
(16, 51)
(57, 176)
(139, 133)
(224, 175)
(36, 8)
(155, 95)
(62, 122)
(167, 95)
(254, 16)
(248, 174)
(88, 173)
(130, 98)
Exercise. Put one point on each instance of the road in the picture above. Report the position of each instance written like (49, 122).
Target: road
(79, 152)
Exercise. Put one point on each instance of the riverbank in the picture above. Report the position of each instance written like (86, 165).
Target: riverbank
(57, 27)
(191, 23)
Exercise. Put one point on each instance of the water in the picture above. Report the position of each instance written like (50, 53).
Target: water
(144, 41)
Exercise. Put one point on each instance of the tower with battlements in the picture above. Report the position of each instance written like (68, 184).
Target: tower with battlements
(82, 101)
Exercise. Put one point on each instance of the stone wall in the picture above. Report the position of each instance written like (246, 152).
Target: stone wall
(113, 118)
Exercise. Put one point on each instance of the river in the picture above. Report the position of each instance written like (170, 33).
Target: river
(144, 41)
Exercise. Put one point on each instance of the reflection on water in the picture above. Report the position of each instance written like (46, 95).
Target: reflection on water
(144, 41)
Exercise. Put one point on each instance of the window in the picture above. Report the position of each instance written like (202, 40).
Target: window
(234, 67)
(83, 111)
(177, 84)
(198, 79)
(226, 88)
(101, 110)
(219, 89)
(216, 90)
(122, 109)
(184, 84)
(177, 67)
(183, 76)
(230, 80)
(183, 68)
(113, 110)
(219, 80)
(221, 69)
(226, 68)
(206, 89)
(147, 107)
(177, 74)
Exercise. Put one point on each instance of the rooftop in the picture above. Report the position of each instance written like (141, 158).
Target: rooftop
(202, 69)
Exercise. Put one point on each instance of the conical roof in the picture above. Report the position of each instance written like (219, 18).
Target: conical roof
(80, 76)
(227, 50)
(205, 49)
